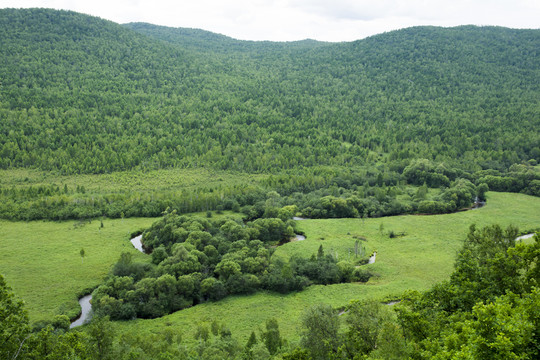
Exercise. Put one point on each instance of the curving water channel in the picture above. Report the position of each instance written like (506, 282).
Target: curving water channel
(86, 308)
(478, 204)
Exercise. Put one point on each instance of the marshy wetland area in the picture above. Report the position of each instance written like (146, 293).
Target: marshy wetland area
(49, 275)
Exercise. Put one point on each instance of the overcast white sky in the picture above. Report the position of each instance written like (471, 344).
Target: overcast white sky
(286, 20)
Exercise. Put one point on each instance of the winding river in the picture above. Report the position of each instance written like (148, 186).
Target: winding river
(86, 308)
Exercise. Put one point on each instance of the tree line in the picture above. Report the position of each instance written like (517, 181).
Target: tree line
(423, 187)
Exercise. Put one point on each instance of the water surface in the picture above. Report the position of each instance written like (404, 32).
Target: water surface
(137, 243)
(86, 308)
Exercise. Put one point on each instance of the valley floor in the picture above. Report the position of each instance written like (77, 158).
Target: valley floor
(41, 261)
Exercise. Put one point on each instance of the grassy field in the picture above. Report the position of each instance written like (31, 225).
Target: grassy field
(417, 260)
(129, 181)
(41, 261)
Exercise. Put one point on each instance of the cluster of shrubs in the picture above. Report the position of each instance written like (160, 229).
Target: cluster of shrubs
(198, 259)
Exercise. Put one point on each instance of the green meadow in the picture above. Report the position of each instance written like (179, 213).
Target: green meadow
(421, 257)
(41, 261)
(129, 181)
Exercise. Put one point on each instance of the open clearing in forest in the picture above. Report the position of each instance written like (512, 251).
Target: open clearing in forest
(41, 262)
(417, 260)
(129, 181)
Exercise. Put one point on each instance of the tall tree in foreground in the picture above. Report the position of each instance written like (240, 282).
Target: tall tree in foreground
(489, 309)
(14, 328)
(101, 338)
(321, 335)
(271, 337)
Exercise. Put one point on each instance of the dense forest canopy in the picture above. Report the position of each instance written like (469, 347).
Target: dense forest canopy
(84, 95)
(424, 106)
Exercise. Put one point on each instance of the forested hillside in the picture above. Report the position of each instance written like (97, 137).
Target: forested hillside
(447, 109)
(207, 42)
(84, 95)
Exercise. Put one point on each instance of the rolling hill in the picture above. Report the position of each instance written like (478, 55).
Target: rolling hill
(83, 95)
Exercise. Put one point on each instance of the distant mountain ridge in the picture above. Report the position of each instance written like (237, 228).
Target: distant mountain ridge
(202, 40)
(80, 94)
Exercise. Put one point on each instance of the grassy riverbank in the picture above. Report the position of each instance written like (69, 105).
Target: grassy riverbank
(42, 262)
(421, 257)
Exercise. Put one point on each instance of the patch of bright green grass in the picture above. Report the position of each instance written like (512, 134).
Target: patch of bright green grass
(129, 181)
(41, 260)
